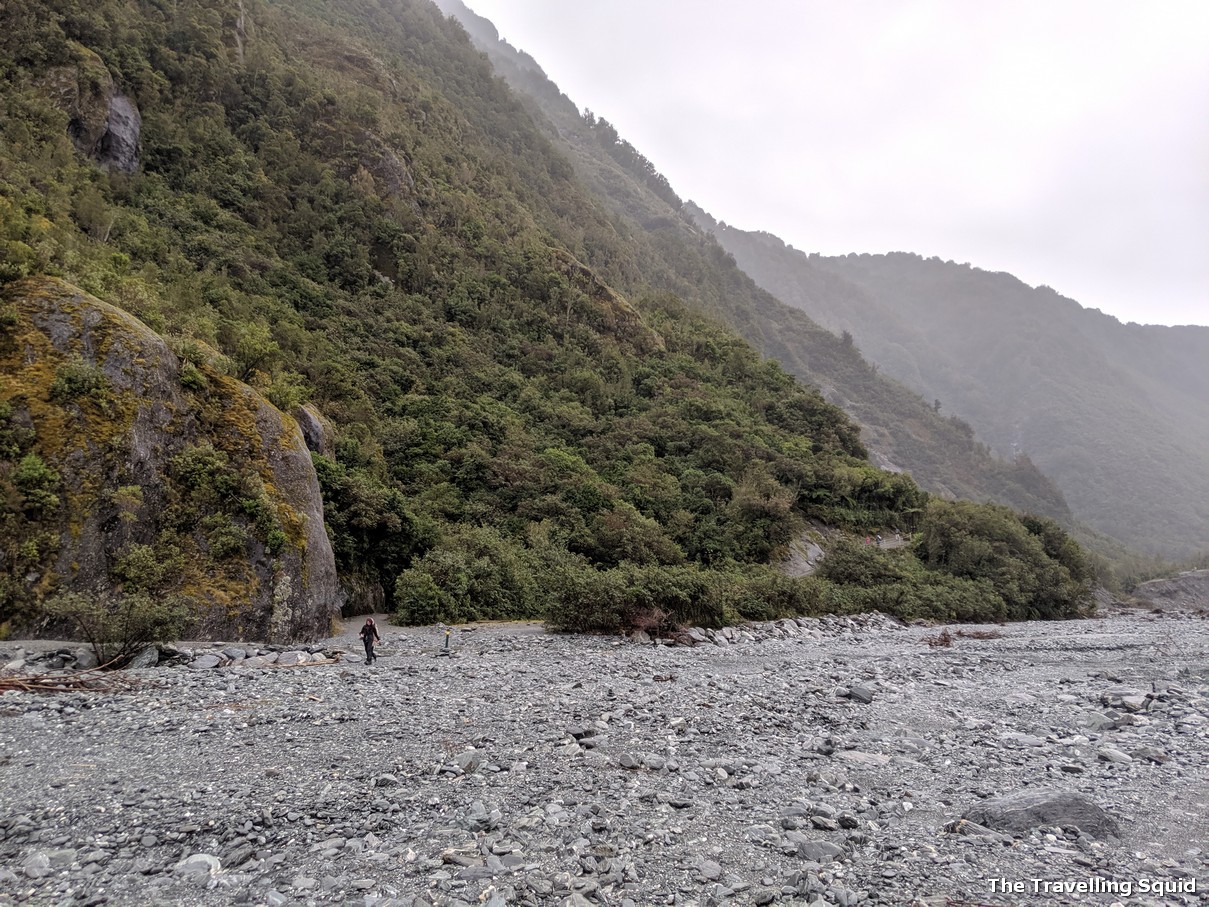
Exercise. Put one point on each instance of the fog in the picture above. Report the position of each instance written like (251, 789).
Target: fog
(1064, 142)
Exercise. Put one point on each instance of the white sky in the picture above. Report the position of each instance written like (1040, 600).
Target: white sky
(1064, 141)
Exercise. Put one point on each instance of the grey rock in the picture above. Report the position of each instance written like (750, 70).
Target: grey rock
(149, 657)
(820, 851)
(120, 144)
(1022, 810)
(86, 659)
(1127, 700)
(36, 865)
(1097, 722)
(859, 693)
(204, 662)
(198, 863)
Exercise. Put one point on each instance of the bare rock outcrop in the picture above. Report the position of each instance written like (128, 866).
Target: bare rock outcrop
(1185, 591)
(104, 124)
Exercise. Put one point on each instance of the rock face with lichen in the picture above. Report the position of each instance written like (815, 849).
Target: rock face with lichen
(104, 124)
(125, 469)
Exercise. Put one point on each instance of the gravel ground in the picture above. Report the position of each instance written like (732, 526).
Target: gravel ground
(812, 762)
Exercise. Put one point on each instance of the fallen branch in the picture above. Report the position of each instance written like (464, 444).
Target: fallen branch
(97, 680)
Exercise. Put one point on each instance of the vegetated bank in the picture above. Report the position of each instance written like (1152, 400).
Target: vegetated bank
(341, 207)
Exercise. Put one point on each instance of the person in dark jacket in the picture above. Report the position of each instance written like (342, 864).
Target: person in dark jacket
(369, 635)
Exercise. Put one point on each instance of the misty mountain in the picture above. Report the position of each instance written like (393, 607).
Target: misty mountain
(1117, 414)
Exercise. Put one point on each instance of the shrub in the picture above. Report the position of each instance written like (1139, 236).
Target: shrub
(37, 483)
(584, 600)
(77, 378)
(986, 542)
(118, 626)
(225, 538)
(146, 568)
(192, 378)
(473, 574)
(766, 594)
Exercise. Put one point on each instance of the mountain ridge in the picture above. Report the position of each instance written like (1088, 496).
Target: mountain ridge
(1065, 378)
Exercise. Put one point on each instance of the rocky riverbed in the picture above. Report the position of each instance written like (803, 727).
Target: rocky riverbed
(836, 762)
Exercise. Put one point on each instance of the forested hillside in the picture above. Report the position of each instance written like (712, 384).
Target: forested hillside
(518, 402)
(899, 426)
(1117, 414)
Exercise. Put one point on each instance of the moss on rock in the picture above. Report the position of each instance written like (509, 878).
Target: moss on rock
(99, 398)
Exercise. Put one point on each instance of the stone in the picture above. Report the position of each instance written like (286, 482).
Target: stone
(198, 863)
(1127, 700)
(204, 662)
(820, 851)
(36, 865)
(859, 694)
(149, 657)
(85, 658)
(1029, 808)
(468, 762)
(710, 870)
(860, 758)
(1097, 722)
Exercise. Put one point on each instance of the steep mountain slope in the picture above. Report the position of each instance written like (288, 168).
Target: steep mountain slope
(900, 428)
(517, 407)
(1117, 414)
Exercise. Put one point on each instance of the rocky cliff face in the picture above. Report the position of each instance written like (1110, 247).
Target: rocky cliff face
(133, 470)
(105, 125)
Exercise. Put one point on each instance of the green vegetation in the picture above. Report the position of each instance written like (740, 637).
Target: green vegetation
(343, 205)
(118, 627)
(1114, 413)
(941, 453)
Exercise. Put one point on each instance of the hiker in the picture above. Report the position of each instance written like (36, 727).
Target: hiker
(369, 635)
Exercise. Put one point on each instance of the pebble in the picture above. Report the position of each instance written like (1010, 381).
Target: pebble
(533, 770)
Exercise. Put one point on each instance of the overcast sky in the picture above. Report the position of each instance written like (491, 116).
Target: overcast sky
(1064, 141)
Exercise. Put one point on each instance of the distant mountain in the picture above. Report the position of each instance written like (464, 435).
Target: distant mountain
(900, 427)
(1117, 414)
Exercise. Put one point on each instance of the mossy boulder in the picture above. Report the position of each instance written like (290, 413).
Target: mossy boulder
(120, 477)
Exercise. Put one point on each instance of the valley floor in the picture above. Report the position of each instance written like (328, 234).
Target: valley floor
(533, 769)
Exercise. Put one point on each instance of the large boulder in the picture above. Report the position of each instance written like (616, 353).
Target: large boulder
(1021, 810)
(155, 474)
